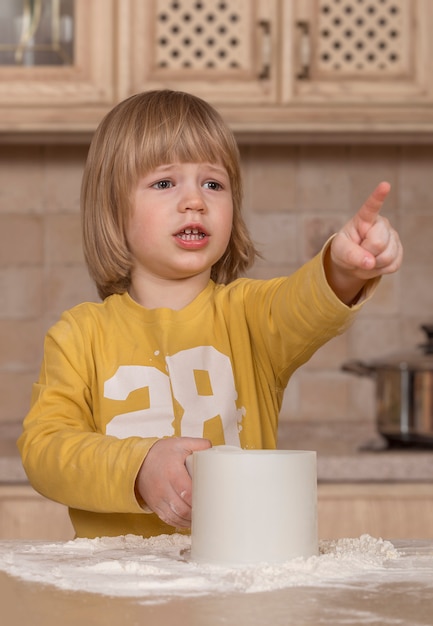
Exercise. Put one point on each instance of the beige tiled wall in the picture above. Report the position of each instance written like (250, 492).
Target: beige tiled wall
(295, 197)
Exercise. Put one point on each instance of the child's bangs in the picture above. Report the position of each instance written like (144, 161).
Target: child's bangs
(190, 143)
(196, 144)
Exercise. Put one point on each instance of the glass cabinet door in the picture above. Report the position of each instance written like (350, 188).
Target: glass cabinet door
(56, 62)
(36, 32)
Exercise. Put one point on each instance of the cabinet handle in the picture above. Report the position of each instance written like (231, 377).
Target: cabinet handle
(265, 72)
(304, 50)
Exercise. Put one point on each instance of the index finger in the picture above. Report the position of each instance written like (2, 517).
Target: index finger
(372, 206)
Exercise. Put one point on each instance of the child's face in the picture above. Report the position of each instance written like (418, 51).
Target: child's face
(181, 221)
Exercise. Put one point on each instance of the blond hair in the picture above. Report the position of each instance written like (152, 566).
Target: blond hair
(147, 130)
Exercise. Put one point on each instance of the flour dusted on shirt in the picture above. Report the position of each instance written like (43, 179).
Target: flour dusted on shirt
(136, 567)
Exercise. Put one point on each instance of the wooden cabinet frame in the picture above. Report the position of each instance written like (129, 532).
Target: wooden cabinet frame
(146, 63)
(118, 53)
(59, 97)
(377, 52)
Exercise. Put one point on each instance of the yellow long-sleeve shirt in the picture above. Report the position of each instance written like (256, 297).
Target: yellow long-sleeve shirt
(116, 377)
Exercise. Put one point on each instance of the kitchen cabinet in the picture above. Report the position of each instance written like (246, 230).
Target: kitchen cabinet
(295, 66)
(361, 52)
(292, 67)
(225, 51)
(25, 514)
(325, 51)
(278, 70)
(387, 510)
(70, 96)
(351, 70)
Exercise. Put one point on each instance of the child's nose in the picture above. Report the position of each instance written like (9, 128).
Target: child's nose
(193, 201)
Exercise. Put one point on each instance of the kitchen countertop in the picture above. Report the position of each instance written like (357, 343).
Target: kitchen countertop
(346, 452)
(354, 452)
(379, 596)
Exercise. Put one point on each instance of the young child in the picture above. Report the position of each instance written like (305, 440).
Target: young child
(181, 354)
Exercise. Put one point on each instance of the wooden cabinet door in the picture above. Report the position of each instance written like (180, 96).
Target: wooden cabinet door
(387, 510)
(225, 51)
(36, 97)
(364, 51)
(24, 514)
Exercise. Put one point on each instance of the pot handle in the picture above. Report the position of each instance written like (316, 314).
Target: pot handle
(358, 367)
(428, 347)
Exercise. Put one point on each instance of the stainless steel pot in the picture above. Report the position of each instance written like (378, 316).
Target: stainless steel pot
(404, 393)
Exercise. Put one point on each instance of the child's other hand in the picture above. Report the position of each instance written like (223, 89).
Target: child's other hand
(366, 247)
(163, 480)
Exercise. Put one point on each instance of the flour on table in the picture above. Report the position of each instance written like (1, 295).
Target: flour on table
(132, 566)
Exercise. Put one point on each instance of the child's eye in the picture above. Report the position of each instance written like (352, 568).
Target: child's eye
(162, 184)
(213, 185)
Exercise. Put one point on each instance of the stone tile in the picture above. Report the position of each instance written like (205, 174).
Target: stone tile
(63, 174)
(373, 337)
(21, 345)
(331, 355)
(291, 402)
(276, 237)
(417, 290)
(20, 293)
(267, 270)
(15, 391)
(270, 178)
(416, 190)
(323, 396)
(323, 179)
(21, 240)
(65, 287)
(416, 233)
(21, 179)
(362, 398)
(371, 165)
(413, 337)
(316, 231)
(385, 301)
(63, 243)
(263, 272)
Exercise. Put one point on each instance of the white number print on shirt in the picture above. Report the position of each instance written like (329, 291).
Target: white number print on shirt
(201, 381)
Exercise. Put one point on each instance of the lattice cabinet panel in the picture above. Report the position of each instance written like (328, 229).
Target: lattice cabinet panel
(198, 36)
(363, 39)
(224, 50)
(354, 49)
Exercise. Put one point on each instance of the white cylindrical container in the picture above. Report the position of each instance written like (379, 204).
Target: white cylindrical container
(253, 506)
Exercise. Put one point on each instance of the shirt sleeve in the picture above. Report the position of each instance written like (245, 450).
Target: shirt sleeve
(292, 317)
(64, 456)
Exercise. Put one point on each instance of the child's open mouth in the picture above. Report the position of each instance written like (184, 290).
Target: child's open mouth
(191, 234)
